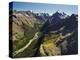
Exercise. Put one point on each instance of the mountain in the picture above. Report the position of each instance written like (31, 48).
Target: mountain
(58, 20)
(21, 19)
(57, 17)
(24, 26)
(71, 22)
(41, 34)
(42, 17)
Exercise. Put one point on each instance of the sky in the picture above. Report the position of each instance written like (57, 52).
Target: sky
(45, 8)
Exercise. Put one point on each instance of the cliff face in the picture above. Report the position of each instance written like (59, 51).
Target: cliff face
(39, 34)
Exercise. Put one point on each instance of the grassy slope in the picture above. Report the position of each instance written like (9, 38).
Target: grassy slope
(29, 34)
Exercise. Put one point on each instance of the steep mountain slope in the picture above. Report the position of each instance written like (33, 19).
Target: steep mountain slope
(24, 26)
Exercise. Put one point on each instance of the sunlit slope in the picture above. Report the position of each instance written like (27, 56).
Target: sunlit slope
(24, 27)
